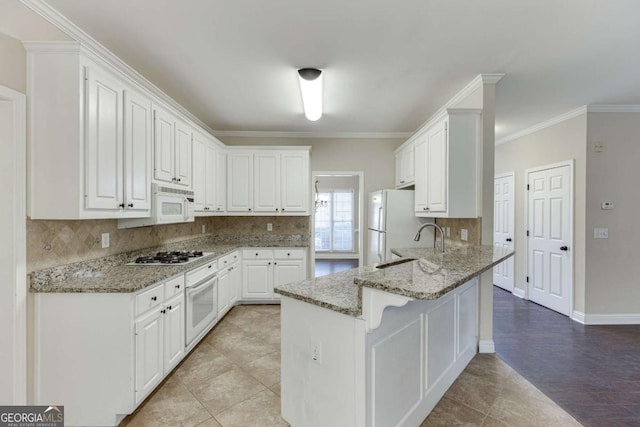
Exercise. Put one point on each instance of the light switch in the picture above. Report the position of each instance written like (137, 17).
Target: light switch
(269, 227)
(105, 240)
(607, 205)
(464, 234)
(600, 233)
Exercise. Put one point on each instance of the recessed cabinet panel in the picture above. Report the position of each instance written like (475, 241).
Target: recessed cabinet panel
(240, 181)
(220, 203)
(137, 151)
(163, 146)
(199, 173)
(149, 354)
(104, 167)
(294, 179)
(174, 331)
(183, 154)
(266, 182)
(437, 168)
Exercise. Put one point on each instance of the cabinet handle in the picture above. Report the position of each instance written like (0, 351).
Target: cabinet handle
(177, 286)
(230, 268)
(121, 205)
(210, 265)
(154, 298)
(256, 254)
(275, 263)
(288, 254)
(163, 311)
(508, 239)
(277, 209)
(178, 179)
(249, 209)
(269, 263)
(282, 209)
(169, 308)
(130, 205)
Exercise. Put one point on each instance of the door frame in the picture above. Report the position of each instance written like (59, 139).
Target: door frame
(18, 305)
(312, 246)
(571, 164)
(512, 214)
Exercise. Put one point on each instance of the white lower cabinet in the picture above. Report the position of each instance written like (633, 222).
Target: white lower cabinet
(262, 269)
(229, 282)
(159, 334)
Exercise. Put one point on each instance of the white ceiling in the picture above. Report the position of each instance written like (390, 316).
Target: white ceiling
(388, 65)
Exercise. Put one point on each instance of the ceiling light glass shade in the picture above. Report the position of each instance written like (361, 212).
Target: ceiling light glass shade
(311, 88)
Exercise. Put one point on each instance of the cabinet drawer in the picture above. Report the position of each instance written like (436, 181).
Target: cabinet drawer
(174, 286)
(149, 299)
(196, 275)
(248, 254)
(223, 262)
(234, 257)
(289, 253)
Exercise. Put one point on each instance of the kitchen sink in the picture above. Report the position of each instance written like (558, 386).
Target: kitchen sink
(394, 262)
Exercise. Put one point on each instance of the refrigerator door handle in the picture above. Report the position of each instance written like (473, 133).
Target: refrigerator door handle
(380, 209)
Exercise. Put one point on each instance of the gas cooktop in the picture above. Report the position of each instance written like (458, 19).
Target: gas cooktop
(169, 258)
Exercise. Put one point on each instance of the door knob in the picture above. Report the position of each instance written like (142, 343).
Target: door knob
(508, 239)
(564, 248)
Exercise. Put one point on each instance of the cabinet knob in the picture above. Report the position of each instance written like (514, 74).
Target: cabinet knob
(277, 209)
(121, 205)
(256, 254)
(288, 254)
(282, 209)
(169, 308)
(154, 298)
(177, 286)
(275, 263)
(210, 265)
(178, 179)
(130, 205)
(269, 264)
(509, 239)
(163, 311)
(249, 209)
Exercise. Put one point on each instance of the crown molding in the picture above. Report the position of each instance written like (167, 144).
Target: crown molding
(472, 86)
(604, 108)
(543, 125)
(87, 42)
(319, 135)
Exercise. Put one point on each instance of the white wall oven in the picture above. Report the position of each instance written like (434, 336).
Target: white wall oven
(201, 301)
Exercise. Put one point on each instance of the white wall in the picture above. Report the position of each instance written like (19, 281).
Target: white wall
(13, 64)
(612, 267)
(563, 141)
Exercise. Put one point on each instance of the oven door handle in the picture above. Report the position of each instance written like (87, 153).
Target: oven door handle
(201, 285)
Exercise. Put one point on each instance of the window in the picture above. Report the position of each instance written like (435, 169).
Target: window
(334, 222)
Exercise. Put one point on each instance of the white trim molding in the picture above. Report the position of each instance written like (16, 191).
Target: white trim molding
(487, 346)
(543, 125)
(520, 293)
(603, 108)
(18, 241)
(319, 135)
(606, 319)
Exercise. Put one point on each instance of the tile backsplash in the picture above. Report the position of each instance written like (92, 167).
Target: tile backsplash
(51, 243)
(472, 225)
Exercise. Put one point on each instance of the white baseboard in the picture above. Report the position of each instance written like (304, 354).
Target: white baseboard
(520, 293)
(606, 319)
(486, 346)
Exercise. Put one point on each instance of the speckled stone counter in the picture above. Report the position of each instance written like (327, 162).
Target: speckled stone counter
(112, 275)
(424, 274)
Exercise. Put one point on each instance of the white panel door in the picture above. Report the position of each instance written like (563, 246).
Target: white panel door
(239, 181)
(163, 146)
(174, 332)
(183, 154)
(503, 228)
(137, 151)
(104, 168)
(266, 185)
(549, 228)
(294, 182)
(437, 168)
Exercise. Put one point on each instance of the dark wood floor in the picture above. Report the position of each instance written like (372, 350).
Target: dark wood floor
(592, 372)
(329, 266)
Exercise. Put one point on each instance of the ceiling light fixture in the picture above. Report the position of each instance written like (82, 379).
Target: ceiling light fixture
(311, 88)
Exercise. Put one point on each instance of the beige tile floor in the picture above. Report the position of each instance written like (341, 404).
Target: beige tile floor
(232, 378)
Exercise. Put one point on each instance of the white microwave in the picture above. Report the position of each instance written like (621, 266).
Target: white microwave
(168, 206)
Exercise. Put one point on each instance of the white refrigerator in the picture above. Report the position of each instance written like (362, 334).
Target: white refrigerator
(392, 224)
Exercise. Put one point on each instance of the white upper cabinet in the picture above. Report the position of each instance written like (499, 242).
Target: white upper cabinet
(239, 181)
(220, 203)
(137, 151)
(172, 146)
(205, 174)
(446, 166)
(268, 181)
(89, 137)
(405, 166)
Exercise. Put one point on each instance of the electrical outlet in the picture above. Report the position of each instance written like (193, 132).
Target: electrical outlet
(464, 234)
(269, 227)
(448, 229)
(607, 206)
(105, 240)
(204, 228)
(597, 146)
(600, 233)
(316, 352)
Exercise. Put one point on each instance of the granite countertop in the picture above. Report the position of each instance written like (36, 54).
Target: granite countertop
(112, 275)
(421, 273)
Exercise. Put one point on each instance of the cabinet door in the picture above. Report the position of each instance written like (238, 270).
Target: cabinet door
(294, 178)
(266, 185)
(137, 151)
(163, 145)
(149, 353)
(183, 154)
(257, 279)
(287, 271)
(173, 332)
(224, 291)
(399, 170)
(421, 184)
(103, 167)
(408, 165)
(221, 181)
(437, 168)
(210, 177)
(239, 181)
(199, 173)
(235, 283)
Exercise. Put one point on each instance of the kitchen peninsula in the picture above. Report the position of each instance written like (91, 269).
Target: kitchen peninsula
(380, 345)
